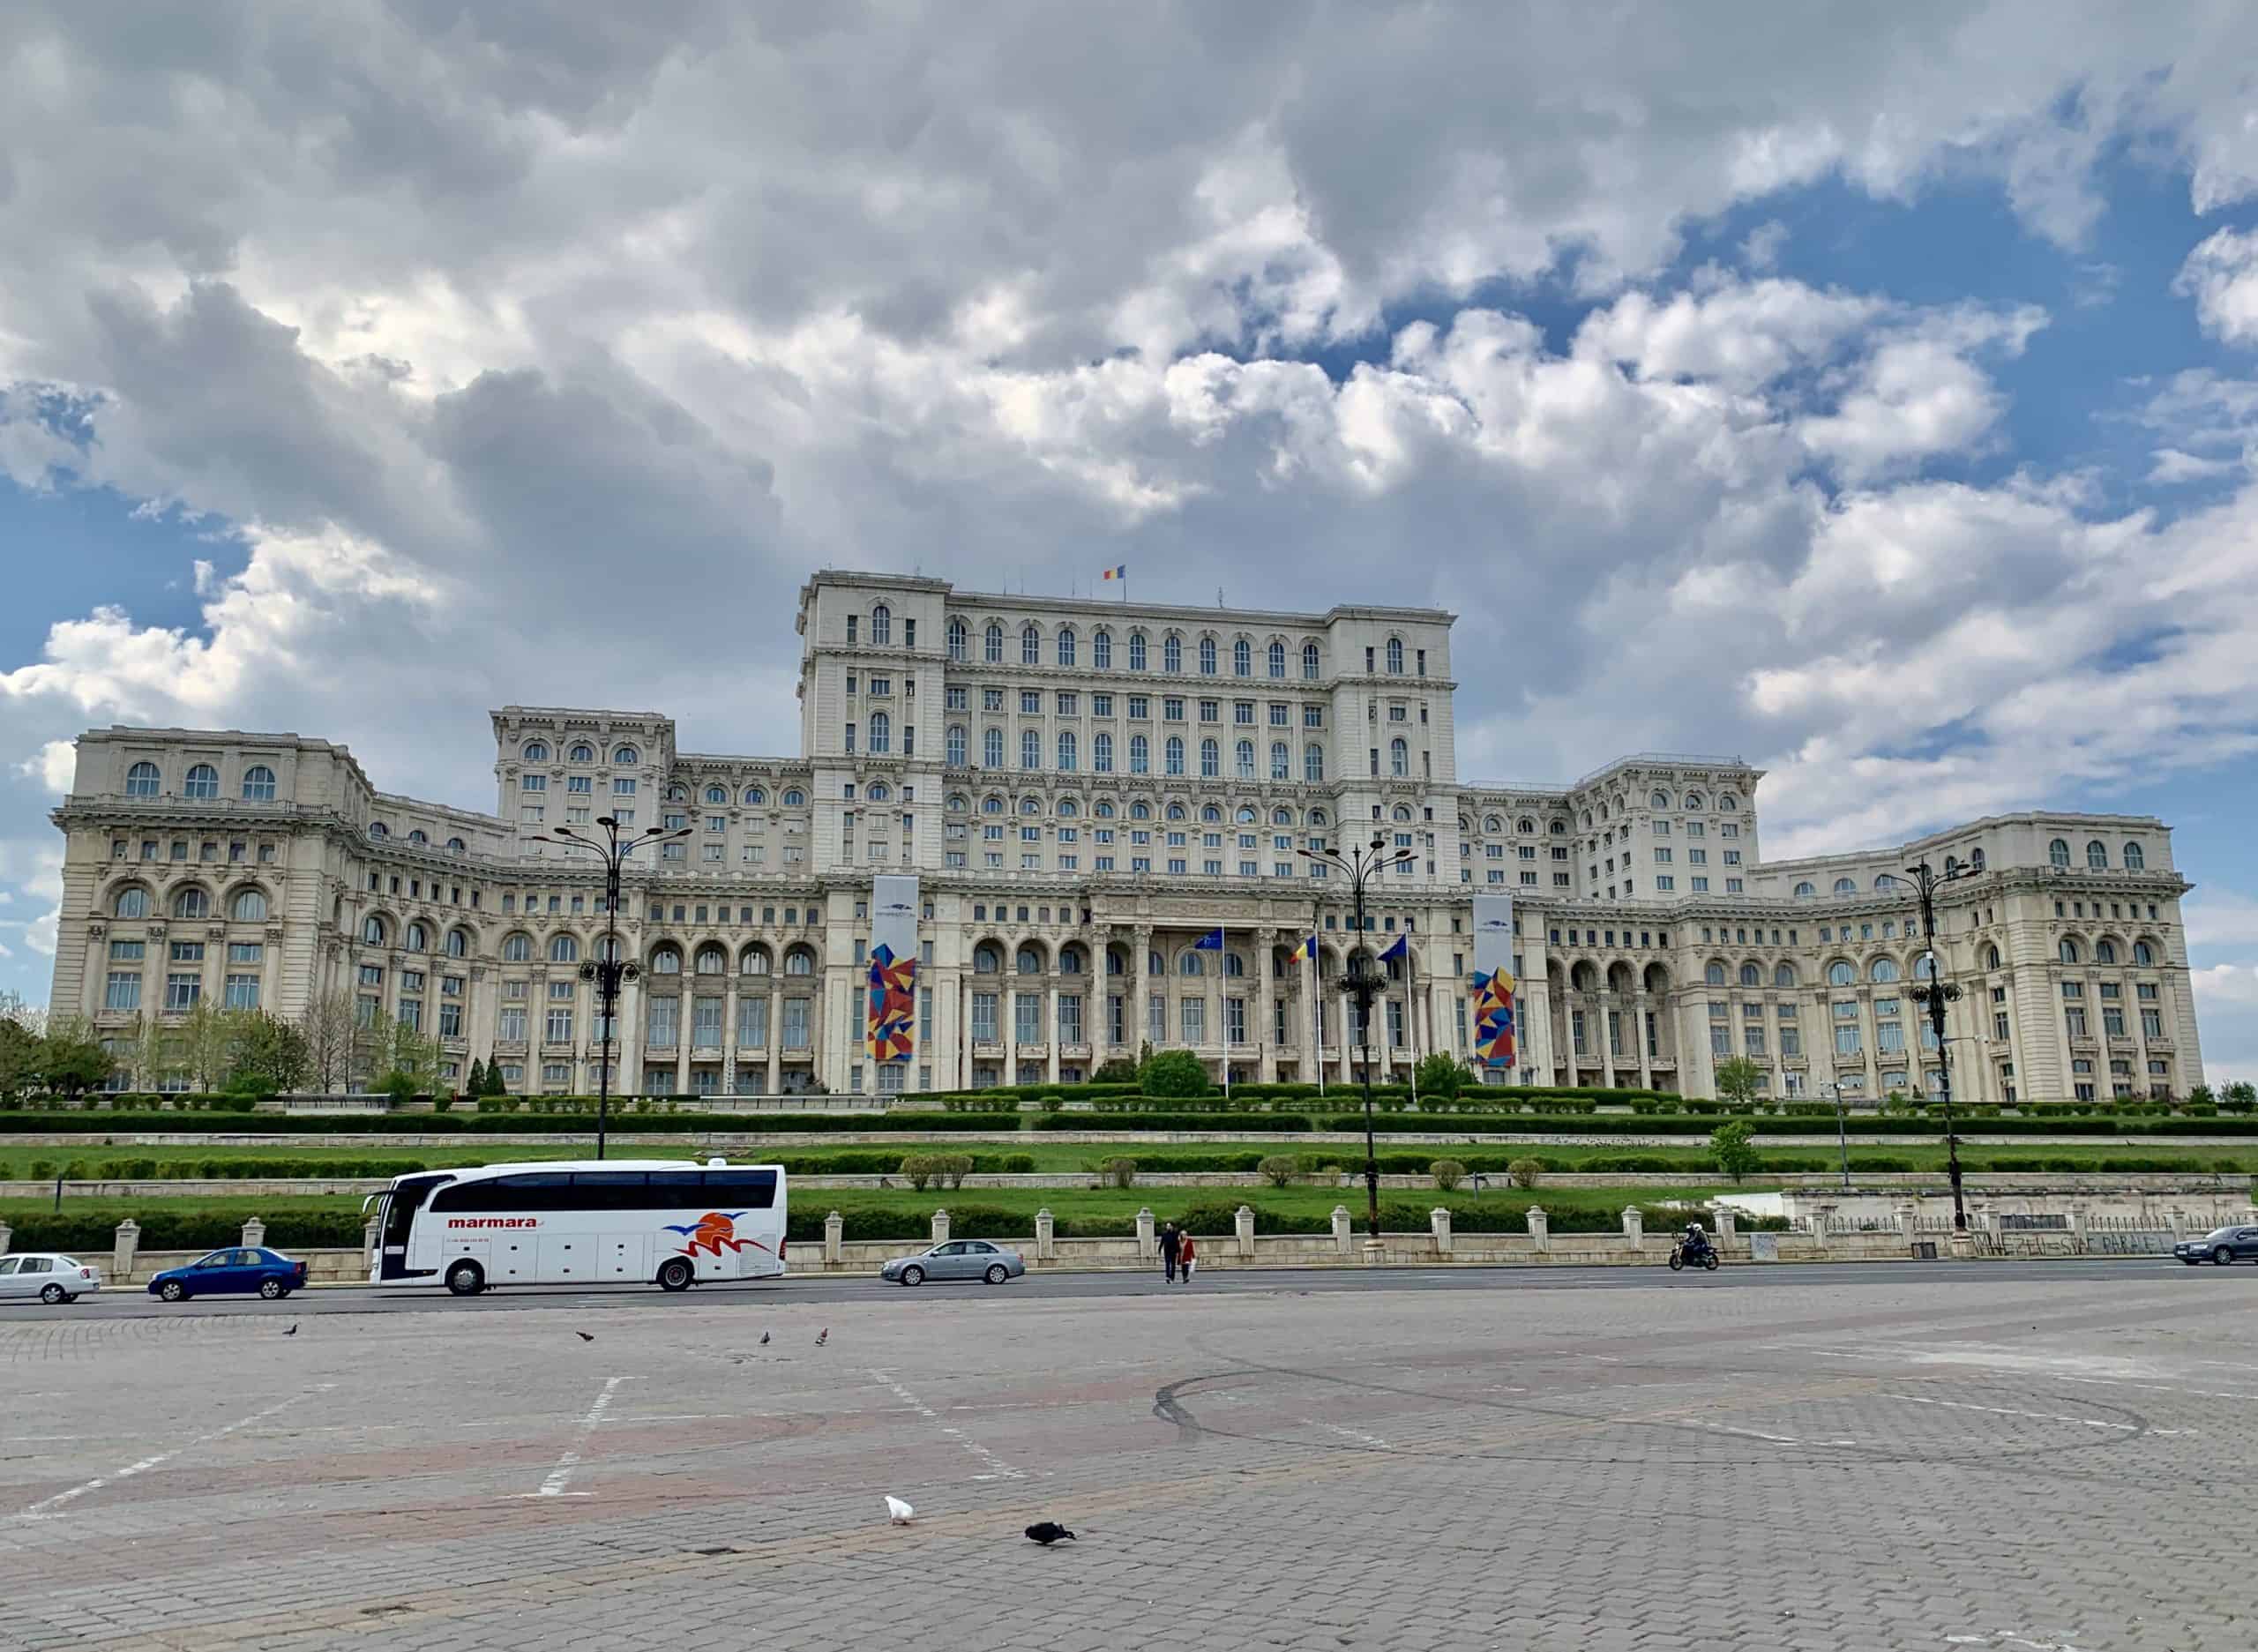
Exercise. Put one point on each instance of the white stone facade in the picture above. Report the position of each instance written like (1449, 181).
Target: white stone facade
(1083, 787)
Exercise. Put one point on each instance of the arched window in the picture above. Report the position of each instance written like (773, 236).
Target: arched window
(2068, 951)
(2104, 951)
(1068, 808)
(141, 781)
(1805, 892)
(993, 644)
(1751, 975)
(1136, 651)
(1728, 803)
(1524, 824)
(458, 944)
(191, 903)
(799, 962)
(1316, 817)
(130, 903)
(626, 754)
(249, 906)
(1140, 755)
(1841, 973)
(712, 961)
(1243, 760)
(956, 642)
(1031, 644)
(717, 794)
(667, 961)
(992, 806)
(2144, 955)
(1399, 758)
(1066, 645)
(882, 625)
(1692, 800)
(1975, 860)
(2097, 856)
(1102, 753)
(2058, 854)
(754, 960)
(456, 845)
(1206, 656)
(1190, 963)
(1884, 884)
(1174, 755)
(1402, 812)
(1281, 761)
(2135, 858)
(952, 745)
(1659, 800)
(416, 834)
(418, 938)
(1395, 656)
(536, 751)
(959, 802)
(1102, 649)
(1028, 961)
(1312, 763)
(372, 931)
(1882, 971)
(1845, 887)
(1277, 658)
(1210, 760)
(1070, 960)
(517, 948)
(1242, 659)
(1783, 975)
(987, 960)
(1067, 756)
(881, 734)
(795, 798)
(1991, 957)
(1140, 810)
(1308, 662)
(583, 754)
(258, 784)
(1172, 655)
(1558, 828)
(992, 748)
(1714, 974)
(564, 949)
(755, 797)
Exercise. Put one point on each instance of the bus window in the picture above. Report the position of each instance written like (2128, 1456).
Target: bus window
(405, 1201)
(747, 1190)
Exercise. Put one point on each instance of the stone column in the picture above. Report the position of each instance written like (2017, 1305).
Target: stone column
(1147, 1245)
(1139, 988)
(2081, 1219)
(127, 1241)
(1725, 1224)
(1243, 1221)
(730, 1038)
(1634, 1226)
(1046, 1235)
(254, 1233)
(1340, 1231)
(1347, 1046)
(6, 1233)
(940, 1227)
(1051, 1036)
(684, 1013)
(835, 1233)
(1819, 1225)
(776, 1006)
(1439, 1218)
(1540, 1229)
(1908, 1218)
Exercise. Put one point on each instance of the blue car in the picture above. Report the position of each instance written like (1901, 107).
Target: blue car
(231, 1272)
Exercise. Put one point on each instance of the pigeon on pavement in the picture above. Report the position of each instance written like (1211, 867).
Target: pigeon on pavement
(897, 1511)
(586, 1337)
(293, 1331)
(1047, 1532)
(764, 1339)
(821, 1335)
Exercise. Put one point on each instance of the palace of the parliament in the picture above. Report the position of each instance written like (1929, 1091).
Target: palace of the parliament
(1083, 788)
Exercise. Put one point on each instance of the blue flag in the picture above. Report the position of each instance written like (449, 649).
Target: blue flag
(1211, 942)
(1401, 949)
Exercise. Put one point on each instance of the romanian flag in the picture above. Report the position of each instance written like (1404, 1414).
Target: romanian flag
(1121, 572)
(1303, 952)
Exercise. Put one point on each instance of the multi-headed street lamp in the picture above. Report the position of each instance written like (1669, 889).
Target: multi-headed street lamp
(1933, 995)
(607, 969)
(1366, 982)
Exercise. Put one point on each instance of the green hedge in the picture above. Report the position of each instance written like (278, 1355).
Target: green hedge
(1276, 1123)
(873, 1161)
(92, 1239)
(111, 1123)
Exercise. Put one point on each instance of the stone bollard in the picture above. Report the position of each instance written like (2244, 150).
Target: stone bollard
(254, 1233)
(369, 1240)
(940, 1227)
(1540, 1228)
(126, 1242)
(1148, 1246)
(1725, 1224)
(1438, 1218)
(1908, 1218)
(6, 1233)
(1634, 1226)
(2081, 1219)
(2179, 1228)
(1046, 1235)
(1819, 1229)
(835, 1239)
(1243, 1220)
(1341, 1229)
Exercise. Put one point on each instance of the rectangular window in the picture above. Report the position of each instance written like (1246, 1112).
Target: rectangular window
(753, 1023)
(123, 991)
(559, 1029)
(664, 1024)
(795, 1023)
(511, 1027)
(1070, 1018)
(181, 992)
(1192, 1015)
(2074, 1016)
(706, 1024)
(1235, 1020)
(243, 992)
(983, 1018)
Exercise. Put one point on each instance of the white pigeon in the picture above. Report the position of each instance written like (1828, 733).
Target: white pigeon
(898, 1511)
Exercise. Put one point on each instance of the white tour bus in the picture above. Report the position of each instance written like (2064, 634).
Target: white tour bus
(674, 1222)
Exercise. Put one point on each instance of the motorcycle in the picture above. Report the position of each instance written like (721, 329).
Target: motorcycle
(1703, 1256)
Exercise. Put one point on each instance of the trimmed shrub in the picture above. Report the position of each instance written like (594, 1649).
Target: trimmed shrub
(1525, 1172)
(1172, 1073)
(1119, 1171)
(1279, 1169)
(1448, 1173)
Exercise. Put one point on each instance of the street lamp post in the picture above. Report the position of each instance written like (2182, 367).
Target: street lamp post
(1842, 1132)
(1933, 994)
(1364, 983)
(607, 969)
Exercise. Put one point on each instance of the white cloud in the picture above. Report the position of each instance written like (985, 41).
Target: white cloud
(2221, 275)
(56, 762)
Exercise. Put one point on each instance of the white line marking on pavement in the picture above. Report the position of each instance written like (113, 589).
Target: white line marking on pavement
(46, 1509)
(2043, 1416)
(2163, 1387)
(998, 1469)
(1750, 1433)
(1349, 1434)
(562, 1474)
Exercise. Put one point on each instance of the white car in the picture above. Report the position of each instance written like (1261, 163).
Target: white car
(48, 1277)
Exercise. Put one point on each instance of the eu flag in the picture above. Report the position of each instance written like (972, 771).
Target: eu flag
(1401, 949)
(1211, 942)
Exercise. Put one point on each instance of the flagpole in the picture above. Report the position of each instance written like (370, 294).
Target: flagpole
(1316, 1009)
(1411, 1013)
(1225, 966)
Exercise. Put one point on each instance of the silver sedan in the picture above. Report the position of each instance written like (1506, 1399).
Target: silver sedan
(954, 1260)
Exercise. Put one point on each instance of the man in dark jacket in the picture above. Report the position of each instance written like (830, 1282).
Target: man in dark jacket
(1171, 1242)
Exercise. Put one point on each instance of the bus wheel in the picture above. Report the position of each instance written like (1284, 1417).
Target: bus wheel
(465, 1279)
(675, 1274)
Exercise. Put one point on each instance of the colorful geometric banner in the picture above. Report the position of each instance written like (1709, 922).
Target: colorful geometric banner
(1494, 1041)
(890, 1014)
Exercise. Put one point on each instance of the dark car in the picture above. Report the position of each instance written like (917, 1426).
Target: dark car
(238, 1272)
(2221, 1245)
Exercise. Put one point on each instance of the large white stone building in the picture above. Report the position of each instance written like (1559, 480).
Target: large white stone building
(1083, 787)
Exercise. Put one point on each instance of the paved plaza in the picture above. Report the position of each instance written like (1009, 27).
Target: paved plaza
(1933, 1460)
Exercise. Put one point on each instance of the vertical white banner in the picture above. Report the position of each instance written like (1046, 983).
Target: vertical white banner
(890, 1006)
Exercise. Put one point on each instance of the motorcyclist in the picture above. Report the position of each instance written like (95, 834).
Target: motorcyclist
(1696, 1241)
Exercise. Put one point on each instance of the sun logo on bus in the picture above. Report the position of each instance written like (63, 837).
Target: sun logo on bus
(712, 1233)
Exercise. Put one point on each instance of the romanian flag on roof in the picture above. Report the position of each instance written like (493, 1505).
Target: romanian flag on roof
(1121, 572)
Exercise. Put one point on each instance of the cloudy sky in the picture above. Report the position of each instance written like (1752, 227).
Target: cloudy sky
(1868, 391)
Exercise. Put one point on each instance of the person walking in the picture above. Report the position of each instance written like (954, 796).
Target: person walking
(1171, 1243)
(1187, 1254)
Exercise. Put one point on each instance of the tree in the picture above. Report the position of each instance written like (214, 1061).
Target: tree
(1173, 1073)
(1737, 1077)
(269, 1055)
(71, 1058)
(334, 1038)
(21, 1058)
(408, 1062)
(2201, 1096)
(2241, 1095)
(475, 1084)
(1440, 1076)
(496, 1085)
(1732, 1144)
